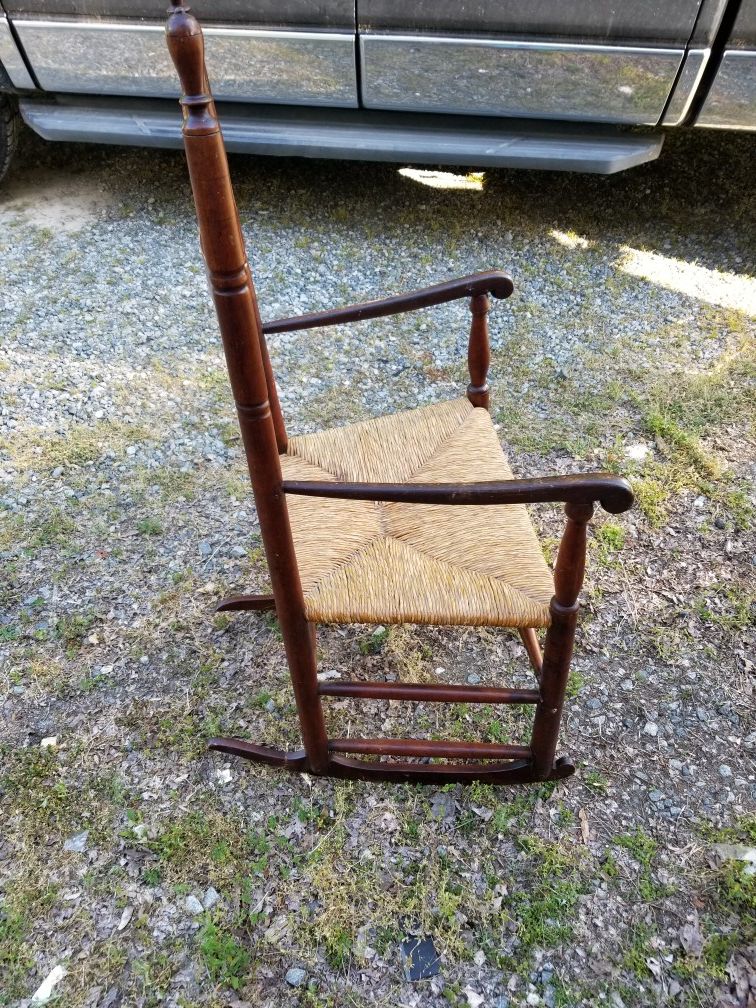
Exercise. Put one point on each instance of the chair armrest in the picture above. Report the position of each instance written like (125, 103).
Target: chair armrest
(492, 282)
(612, 492)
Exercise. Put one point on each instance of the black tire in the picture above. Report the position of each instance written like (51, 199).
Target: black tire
(10, 127)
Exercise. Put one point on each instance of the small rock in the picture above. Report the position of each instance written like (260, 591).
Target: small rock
(44, 992)
(649, 728)
(473, 679)
(210, 898)
(127, 914)
(656, 797)
(442, 806)
(49, 743)
(296, 976)
(724, 770)
(77, 844)
(193, 905)
(637, 452)
(474, 1000)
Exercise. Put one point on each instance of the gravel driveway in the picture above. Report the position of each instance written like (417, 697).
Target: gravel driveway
(154, 874)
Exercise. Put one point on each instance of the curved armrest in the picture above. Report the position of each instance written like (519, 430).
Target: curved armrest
(612, 492)
(492, 282)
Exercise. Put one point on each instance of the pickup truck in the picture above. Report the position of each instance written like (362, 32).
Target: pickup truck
(585, 85)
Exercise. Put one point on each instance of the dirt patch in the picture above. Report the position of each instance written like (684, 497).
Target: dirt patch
(52, 201)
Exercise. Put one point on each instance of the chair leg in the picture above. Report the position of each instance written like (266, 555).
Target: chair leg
(300, 644)
(560, 638)
(557, 654)
(529, 638)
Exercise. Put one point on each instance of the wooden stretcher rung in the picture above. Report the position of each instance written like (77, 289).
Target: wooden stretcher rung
(429, 692)
(439, 748)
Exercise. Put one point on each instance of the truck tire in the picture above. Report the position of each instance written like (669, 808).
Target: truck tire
(10, 125)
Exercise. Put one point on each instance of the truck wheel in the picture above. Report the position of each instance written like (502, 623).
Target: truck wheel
(10, 125)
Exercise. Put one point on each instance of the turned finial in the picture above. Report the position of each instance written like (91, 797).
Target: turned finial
(187, 49)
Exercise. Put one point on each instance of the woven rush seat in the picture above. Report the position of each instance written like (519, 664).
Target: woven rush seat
(376, 562)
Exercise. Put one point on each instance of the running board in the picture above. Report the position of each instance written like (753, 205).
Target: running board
(352, 134)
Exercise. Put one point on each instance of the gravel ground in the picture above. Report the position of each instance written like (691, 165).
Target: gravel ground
(146, 872)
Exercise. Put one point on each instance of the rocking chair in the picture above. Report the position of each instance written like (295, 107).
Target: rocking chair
(411, 518)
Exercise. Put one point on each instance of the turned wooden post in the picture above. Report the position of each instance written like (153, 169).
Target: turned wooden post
(479, 352)
(560, 637)
(243, 343)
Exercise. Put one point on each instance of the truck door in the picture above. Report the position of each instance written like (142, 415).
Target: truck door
(280, 51)
(610, 61)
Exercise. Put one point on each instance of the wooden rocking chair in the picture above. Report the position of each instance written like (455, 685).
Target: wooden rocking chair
(409, 518)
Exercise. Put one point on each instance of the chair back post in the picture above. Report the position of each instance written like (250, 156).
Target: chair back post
(235, 303)
(479, 352)
(560, 637)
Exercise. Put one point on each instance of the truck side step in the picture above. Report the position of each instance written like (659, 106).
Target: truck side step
(353, 134)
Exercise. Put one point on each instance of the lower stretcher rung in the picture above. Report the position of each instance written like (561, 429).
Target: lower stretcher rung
(438, 748)
(429, 692)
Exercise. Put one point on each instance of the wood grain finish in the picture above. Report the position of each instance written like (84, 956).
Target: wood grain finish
(246, 603)
(264, 439)
(560, 637)
(492, 282)
(446, 749)
(236, 306)
(429, 692)
(613, 492)
(479, 352)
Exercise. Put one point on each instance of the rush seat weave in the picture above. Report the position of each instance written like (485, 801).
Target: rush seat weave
(373, 562)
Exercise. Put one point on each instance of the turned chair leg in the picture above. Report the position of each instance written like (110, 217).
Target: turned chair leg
(560, 637)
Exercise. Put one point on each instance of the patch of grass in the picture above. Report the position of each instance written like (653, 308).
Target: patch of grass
(226, 960)
(730, 606)
(637, 951)
(36, 448)
(374, 642)
(607, 541)
(72, 630)
(16, 957)
(54, 529)
(575, 683)
(643, 848)
(543, 913)
(149, 527)
(595, 781)
(680, 412)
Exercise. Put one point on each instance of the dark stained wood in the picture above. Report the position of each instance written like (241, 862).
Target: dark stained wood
(515, 772)
(613, 492)
(246, 603)
(440, 749)
(236, 307)
(429, 692)
(510, 772)
(532, 646)
(492, 282)
(264, 438)
(260, 754)
(560, 636)
(479, 352)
